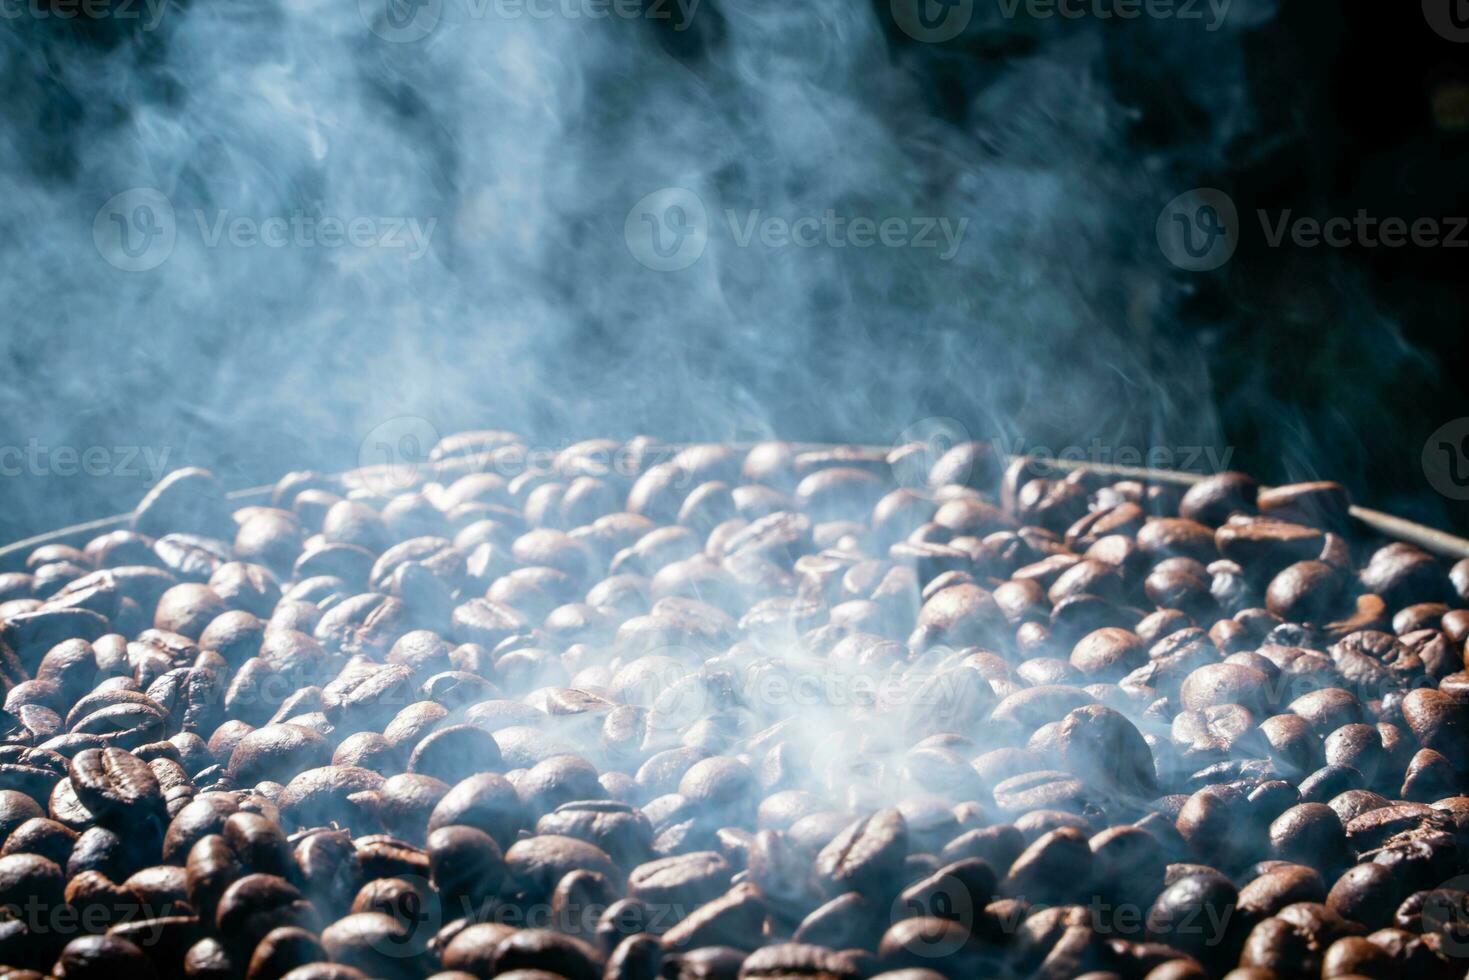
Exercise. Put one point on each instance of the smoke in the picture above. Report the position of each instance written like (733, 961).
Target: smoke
(331, 224)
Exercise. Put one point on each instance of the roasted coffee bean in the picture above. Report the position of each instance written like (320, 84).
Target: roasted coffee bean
(845, 922)
(320, 795)
(116, 854)
(465, 863)
(116, 785)
(1367, 893)
(484, 801)
(1214, 500)
(454, 753)
(30, 881)
(1109, 654)
(525, 950)
(1195, 915)
(259, 844)
(865, 856)
(43, 838)
(1042, 789)
(1134, 676)
(1439, 722)
(281, 951)
(374, 943)
(103, 958)
(254, 905)
(1306, 592)
(681, 882)
(617, 828)
(1402, 575)
(330, 868)
(535, 864)
(1106, 751)
(276, 753)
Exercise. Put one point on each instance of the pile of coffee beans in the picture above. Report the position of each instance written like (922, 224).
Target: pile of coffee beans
(633, 712)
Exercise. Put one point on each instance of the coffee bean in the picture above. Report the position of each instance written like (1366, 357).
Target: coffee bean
(227, 713)
(535, 950)
(963, 615)
(1306, 592)
(465, 863)
(1108, 654)
(276, 753)
(1403, 575)
(1195, 915)
(330, 869)
(1213, 500)
(1171, 537)
(1278, 945)
(915, 943)
(536, 864)
(680, 882)
(1105, 750)
(454, 753)
(616, 828)
(1044, 871)
(1439, 722)
(865, 855)
(254, 905)
(733, 919)
(1042, 789)
(374, 943)
(319, 795)
(103, 957)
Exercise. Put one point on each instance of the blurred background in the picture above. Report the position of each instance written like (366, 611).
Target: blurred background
(283, 235)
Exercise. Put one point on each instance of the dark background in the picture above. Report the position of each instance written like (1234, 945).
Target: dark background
(1332, 363)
